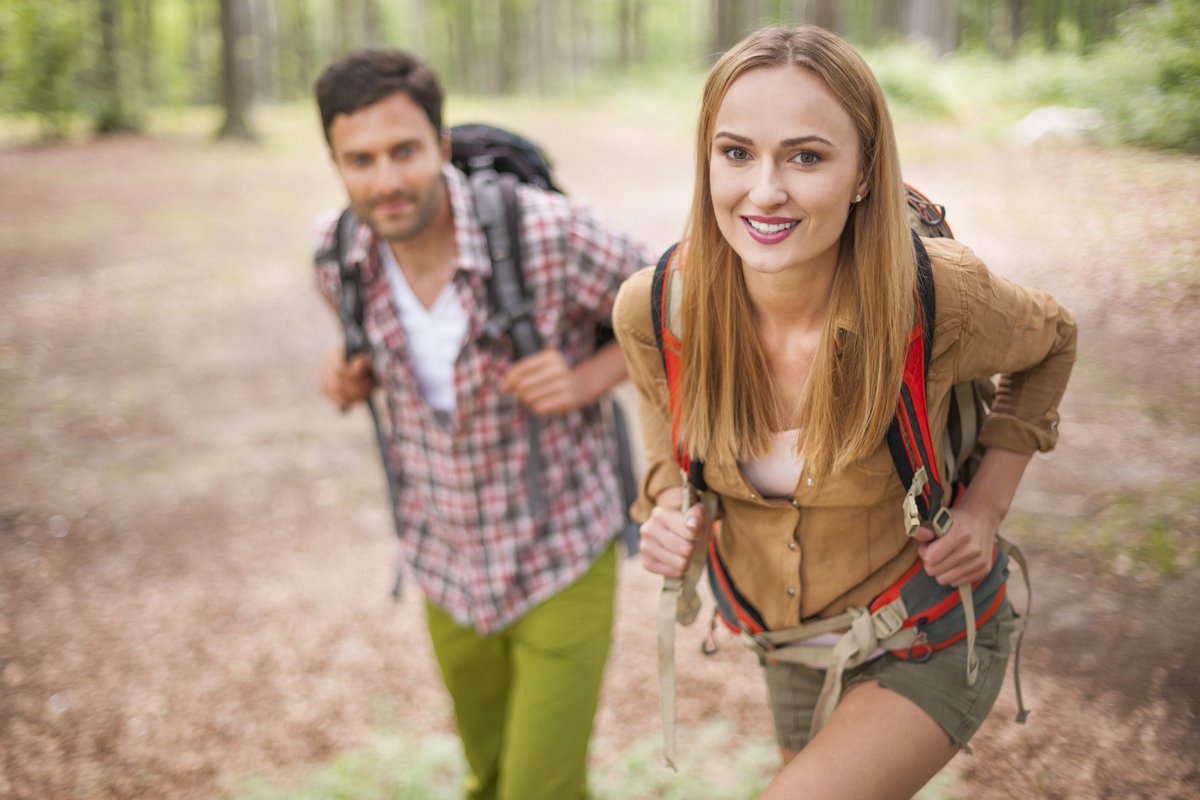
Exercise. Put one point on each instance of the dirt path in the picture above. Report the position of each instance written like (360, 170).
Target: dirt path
(194, 552)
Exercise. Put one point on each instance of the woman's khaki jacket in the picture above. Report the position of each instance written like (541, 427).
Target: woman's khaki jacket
(840, 540)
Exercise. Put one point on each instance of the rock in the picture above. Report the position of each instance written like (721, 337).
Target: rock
(1057, 124)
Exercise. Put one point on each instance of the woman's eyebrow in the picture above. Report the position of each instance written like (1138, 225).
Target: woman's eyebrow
(734, 136)
(806, 140)
(792, 142)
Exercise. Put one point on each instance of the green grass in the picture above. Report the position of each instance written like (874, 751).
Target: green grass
(714, 764)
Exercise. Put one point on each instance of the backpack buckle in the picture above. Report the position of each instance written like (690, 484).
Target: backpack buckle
(920, 650)
(941, 522)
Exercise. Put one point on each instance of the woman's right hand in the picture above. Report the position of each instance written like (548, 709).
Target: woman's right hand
(671, 536)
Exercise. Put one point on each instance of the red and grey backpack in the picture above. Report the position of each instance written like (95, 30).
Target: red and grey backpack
(915, 616)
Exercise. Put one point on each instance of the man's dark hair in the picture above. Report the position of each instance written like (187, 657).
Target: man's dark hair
(365, 77)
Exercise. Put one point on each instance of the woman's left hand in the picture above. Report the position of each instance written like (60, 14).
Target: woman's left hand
(964, 554)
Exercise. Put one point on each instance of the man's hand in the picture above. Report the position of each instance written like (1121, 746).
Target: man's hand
(544, 383)
(346, 382)
(671, 536)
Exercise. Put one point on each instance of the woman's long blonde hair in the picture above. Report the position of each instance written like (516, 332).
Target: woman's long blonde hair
(729, 409)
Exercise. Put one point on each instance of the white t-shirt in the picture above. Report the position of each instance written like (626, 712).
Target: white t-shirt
(435, 334)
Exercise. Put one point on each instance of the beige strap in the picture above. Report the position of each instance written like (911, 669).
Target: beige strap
(1015, 554)
(680, 602)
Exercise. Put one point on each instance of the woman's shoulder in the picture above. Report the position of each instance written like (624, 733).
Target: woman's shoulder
(959, 277)
(632, 314)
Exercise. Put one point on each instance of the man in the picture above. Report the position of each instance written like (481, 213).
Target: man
(519, 604)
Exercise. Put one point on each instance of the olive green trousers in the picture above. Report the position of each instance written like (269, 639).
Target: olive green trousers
(525, 698)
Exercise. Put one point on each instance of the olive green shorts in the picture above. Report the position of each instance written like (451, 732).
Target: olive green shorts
(938, 686)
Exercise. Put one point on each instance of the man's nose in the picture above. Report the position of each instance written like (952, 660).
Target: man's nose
(390, 177)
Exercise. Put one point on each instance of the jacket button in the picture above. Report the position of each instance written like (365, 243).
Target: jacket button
(809, 481)
(795, 503)
(791, 545)
(791, 591)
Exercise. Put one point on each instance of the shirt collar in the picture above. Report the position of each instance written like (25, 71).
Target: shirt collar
(470, 242)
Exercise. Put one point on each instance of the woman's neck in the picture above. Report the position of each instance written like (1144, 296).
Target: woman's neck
(791, 302)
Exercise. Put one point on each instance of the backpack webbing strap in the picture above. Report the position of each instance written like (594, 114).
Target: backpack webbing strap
(350, 312)
(908, 436)
(678, 602)
(495, 198)
(1015, 554)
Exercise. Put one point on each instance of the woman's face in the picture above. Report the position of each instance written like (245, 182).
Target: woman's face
(783, 167)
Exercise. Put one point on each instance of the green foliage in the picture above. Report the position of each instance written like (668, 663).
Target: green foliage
(40, 59)
(1152, 94)
(391, 767)
(906, 73)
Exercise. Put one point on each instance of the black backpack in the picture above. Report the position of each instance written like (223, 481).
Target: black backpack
(495, 161)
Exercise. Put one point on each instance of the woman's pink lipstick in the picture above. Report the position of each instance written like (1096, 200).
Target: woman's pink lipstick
(769, 230)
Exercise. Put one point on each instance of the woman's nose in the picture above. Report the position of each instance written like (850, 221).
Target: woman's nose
(767, 191)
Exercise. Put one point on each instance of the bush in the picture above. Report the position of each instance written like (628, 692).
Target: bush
(41, 62)
(1147, 81)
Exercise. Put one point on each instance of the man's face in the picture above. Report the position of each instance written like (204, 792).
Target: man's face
(390, 158)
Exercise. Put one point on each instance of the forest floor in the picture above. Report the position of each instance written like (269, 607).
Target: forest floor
(195, 555)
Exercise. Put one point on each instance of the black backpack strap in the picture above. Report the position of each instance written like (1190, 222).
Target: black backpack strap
(658, 287)
(350, 312)
(495, 198)
(350, 290)
(657, 299)
(909, 439)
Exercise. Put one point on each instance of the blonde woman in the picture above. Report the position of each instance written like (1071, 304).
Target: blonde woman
(797, 302)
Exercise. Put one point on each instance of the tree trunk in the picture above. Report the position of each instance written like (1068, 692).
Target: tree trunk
(114, 113)
(372, 27)
(509, 46)
(265, 25)
(144, 25)
(934, 23)
(1016, 22)
(237, 70)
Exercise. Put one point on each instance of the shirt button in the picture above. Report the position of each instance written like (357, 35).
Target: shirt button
(791, 591)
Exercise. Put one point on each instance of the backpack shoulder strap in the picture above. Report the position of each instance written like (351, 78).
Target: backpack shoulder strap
(909, 439)
(665, 293)
(495, 197)
(350, 290)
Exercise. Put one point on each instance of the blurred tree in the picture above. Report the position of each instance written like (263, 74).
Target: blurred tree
(42, 62)
(264, 23)
(114, 115)
(237, 47)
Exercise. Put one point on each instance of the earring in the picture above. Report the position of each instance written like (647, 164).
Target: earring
(858, 198)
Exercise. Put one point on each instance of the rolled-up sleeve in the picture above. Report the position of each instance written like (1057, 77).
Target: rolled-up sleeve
(1023, 335)
(634, 327)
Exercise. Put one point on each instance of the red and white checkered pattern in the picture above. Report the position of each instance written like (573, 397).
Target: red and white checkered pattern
(462, 499)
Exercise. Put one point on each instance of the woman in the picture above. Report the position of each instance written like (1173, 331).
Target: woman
(798, 270)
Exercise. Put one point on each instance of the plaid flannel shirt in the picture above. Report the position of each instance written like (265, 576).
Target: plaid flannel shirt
(462, 498)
